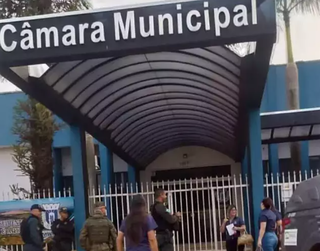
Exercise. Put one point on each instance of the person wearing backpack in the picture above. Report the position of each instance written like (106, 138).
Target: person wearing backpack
(31, 230)
(98, 232)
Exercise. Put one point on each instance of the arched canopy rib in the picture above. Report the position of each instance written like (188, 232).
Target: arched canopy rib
(148, 103)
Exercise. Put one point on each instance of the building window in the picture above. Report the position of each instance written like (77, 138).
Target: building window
(285, 166)
(314, 164)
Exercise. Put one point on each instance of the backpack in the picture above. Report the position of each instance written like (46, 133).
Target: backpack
(24, 229)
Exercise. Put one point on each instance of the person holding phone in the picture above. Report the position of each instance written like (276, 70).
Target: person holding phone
(232, 226)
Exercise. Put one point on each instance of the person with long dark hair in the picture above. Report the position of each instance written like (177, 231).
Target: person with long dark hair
(238, 223)
(267, 237)
(278, 229)
(138, 228)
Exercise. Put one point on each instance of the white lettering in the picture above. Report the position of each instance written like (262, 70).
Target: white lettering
(206, 16)
(3, 44)
(48, 33)
(98, 36)
(254, 12)
(179, 19)
(125, 29)
(240, 19)
(27, 41)
(193, 20)
(82, 29)
(217, 21)
(69, 38)
(143, 31)
(197, 25)
(161, 19)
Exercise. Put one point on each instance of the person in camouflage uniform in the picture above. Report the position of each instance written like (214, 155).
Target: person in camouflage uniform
(98, 232)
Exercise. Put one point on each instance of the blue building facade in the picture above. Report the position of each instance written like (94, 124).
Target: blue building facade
(274, 99)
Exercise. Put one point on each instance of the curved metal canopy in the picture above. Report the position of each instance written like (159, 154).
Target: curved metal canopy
(153, 102)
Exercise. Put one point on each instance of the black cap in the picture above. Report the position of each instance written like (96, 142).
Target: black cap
(63, 210)
(37, 206)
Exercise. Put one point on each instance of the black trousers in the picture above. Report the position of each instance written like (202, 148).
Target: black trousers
(165, 241)
(232, 245)
(62, 246)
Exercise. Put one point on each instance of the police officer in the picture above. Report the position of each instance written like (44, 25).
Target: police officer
(166, 222)
(63, 230)
(31, 230)
(98, 232)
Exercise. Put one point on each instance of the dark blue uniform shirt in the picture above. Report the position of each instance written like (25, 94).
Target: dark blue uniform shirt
(270, 218)
(237, 222)
(278, 214)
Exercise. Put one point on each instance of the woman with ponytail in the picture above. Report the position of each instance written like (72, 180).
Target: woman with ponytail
(138, 228)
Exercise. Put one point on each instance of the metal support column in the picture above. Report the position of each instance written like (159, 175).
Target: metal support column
(80, 179)
(132, 177)
(255, 168)
(274, 172)
(244, 174)
(305, 162)
(106, 166)
(273, 159)
(57, 171)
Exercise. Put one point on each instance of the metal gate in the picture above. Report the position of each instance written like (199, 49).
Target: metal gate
(202, 202)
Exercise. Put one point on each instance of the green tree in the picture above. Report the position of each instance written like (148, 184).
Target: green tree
(35, 127)
(21, 8)
(286, 8)
(33, 123)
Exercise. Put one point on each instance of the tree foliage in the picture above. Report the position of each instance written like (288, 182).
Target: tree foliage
(21, 8)
(33, 123)
(34, 127)
(285, 9)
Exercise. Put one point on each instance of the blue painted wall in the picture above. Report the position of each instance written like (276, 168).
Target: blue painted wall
(7, 103)
(274, 99)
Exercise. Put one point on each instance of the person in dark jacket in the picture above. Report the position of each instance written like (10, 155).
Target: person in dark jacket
(31, 230)
(166, 222)
(63, 230)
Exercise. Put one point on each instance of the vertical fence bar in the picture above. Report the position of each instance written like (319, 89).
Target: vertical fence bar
(235, 188)
(198, 213)
(182, 217)
(117, 205)
(230, 190)
(193, 216)
(187, 210)
(111, 203)
(219, 209)
(214, 220)
(210, 198)
(242, 198)
(248, 203)
(174, 190)
(266, 185)
(204, 214)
